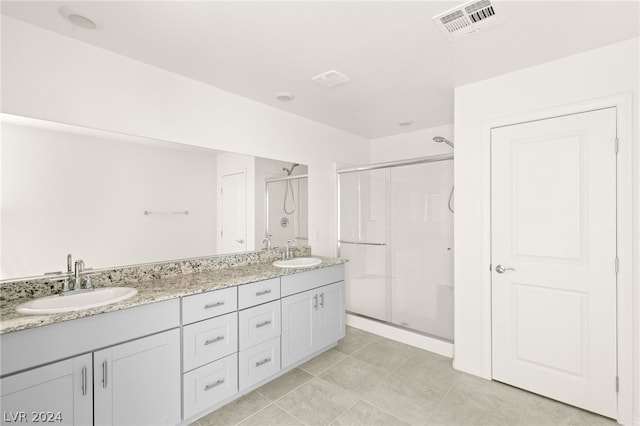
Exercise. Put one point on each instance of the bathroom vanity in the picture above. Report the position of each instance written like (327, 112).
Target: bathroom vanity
(170, 355)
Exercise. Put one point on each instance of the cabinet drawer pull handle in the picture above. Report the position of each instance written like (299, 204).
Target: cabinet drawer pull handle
(262, 324)
(322, 300)
(214, 340)
(213, 385)
(263, 362)
(213, 305)
(315, 302)
(104, 374)
(84, 380)
(263, 292)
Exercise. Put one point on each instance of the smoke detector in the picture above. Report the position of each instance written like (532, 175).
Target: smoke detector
(331, 79)
(468, 18)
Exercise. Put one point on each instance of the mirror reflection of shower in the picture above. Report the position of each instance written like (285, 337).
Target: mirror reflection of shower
(286, 206)
(440, 139)
(289, 189)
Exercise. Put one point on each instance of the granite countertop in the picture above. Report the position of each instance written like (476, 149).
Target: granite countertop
(157, 290)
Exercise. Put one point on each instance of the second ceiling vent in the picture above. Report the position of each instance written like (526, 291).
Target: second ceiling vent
(468, 18)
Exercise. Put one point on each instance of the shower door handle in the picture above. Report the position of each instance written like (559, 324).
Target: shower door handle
(501, 269)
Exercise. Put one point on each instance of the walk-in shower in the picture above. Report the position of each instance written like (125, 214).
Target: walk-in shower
(397, 232)
(286, 207)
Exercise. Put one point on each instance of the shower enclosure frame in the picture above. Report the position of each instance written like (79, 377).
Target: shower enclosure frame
(384, 165)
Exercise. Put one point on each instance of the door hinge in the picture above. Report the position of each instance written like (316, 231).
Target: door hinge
(617, 384)
(221, 233)
(617, 145)
(617, 265)
(490, 267)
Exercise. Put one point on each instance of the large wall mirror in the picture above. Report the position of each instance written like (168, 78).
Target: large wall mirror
(116, 200)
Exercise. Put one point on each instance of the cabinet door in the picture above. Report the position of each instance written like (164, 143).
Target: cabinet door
(331, 314)
(138, 383)
(60, 393)
(298, 326)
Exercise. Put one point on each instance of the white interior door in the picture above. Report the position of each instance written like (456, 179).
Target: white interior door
(554, 231)
(234, 213)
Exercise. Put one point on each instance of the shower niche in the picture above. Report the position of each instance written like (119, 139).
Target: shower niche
(286, 206)
(396, 229)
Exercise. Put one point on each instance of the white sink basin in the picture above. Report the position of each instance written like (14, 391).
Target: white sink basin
(76, 302)
(298, 262)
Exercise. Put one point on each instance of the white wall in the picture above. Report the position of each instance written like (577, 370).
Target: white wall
(86, 195)
(411, 145)
(52, 77)
(594, 74)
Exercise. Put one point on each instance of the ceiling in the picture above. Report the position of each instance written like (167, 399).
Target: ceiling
(402, 68)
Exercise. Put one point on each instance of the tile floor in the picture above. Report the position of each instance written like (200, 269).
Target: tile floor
(369, 380)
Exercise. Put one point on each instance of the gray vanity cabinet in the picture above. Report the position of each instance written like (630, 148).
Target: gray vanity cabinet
(138, 383)
(259, 332)
(46, 381)
(311, 319)
(58, 393)
(210, 346)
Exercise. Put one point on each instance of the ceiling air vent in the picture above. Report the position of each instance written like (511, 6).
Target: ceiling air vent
(468, 18)
(331, 79)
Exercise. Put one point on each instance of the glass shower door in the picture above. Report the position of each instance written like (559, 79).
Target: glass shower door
(363, 240)
(396, 229)
(421, 248)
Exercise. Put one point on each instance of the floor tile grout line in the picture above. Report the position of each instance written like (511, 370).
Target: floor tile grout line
(345, 411)
(290, 414)
(385, 411)
(291, 390)
(253, 414)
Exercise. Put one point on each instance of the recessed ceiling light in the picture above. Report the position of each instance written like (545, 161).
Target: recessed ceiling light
(405, 123)
(284, 96)
(78, 17)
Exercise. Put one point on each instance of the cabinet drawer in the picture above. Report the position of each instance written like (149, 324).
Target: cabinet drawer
(209, 385)
(258, 324)
(259, 292)
(258, 362)
(209, 340)
(303, 281)
(209, 304)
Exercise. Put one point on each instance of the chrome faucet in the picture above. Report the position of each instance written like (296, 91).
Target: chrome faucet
(268, 241)
(77, 271)
(288, 253)
(72, 279)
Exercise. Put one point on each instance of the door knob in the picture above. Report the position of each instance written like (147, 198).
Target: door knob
(240, 241)
(501, 269)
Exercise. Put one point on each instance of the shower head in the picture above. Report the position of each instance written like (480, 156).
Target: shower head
(290, 170)
(440, 139)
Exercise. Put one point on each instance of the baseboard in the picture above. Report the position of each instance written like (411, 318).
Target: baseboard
(421, 341)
